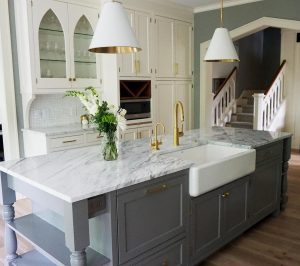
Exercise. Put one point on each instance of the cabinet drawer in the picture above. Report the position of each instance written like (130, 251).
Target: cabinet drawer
(68, 141)
(93, 137)
(173, 255)
(269, 152)
(151, 214)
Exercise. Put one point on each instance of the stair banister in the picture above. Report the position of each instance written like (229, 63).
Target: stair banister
(267, 104)
(224, 100)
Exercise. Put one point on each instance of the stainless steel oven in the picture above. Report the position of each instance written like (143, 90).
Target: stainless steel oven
(137, 108)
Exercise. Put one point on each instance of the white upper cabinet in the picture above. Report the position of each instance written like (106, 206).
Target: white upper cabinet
(183, 49)
(165, 47)
(138, 64)
(61, 35)
(85, 68)
(174, 48)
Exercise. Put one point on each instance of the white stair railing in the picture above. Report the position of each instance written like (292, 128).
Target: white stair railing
(224, 101)
(266, 105)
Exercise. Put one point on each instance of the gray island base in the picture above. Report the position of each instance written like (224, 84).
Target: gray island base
(137, 210)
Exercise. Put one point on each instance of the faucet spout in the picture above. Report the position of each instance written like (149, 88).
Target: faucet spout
(178, 133)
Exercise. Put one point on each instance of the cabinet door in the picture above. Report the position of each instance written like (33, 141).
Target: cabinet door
(234, 207)
(143, 31)
(164, 105)
(264, 189)
(51, 44)
(164, 47)
(85, 67)
(205, 224)
(151, 214)
(126, 62)
(144, 132)
(183, 49)
(173, 255)
(129, 134)
(183, 91)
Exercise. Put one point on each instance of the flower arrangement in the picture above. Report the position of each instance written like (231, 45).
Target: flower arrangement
(107, 118)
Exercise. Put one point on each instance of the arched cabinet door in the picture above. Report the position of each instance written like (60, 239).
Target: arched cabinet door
(51, 44)
(85, 67)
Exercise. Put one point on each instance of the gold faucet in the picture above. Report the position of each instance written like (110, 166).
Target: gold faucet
(178, 133)
(155, 144)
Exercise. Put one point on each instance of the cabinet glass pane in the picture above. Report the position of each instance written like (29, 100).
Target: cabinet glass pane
(52, 47)
(85, 62)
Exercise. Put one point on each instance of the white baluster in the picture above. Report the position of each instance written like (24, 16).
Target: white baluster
(258, 111)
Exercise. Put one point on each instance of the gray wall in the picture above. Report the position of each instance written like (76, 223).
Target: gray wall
(260, 58)
(271, 55)
(249, 73)
(234, 17)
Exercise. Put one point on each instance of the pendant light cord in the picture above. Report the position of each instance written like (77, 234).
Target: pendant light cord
(222, 6)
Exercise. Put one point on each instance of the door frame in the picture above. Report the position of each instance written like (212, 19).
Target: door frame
(206, 96)
(7, 88)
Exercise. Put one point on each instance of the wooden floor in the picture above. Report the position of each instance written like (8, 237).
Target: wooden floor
(274, 241)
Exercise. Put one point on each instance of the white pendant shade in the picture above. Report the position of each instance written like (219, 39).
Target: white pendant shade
(221, 48)
(113, 32)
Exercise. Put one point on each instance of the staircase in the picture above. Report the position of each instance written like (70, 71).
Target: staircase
(254, 109)
(243, 118)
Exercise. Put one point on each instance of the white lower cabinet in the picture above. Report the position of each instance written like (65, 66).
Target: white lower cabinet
(167, 93)
(133, 133)
(39, 143)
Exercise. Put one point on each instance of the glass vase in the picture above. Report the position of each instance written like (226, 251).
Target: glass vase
(110, 151)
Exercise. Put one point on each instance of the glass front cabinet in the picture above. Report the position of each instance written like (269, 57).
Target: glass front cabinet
(62, 34)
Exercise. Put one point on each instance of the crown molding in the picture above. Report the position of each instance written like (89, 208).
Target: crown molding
(226, 4)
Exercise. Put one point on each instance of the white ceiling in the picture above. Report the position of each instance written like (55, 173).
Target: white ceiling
(205, 5)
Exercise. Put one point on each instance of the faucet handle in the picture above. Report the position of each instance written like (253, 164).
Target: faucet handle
(180, 132)
(155, 143)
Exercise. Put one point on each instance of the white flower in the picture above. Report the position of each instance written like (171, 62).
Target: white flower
(122, 122)
(122, 112)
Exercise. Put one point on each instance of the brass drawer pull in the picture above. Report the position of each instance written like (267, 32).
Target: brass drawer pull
(155, 190)
(69, 141)
(226, 194)
(165, 263)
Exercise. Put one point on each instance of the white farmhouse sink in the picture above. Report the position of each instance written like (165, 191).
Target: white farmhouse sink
(215, 165)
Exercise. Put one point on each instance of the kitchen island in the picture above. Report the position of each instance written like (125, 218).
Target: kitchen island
(137, 210)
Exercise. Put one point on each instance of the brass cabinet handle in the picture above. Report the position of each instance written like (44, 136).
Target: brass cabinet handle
(70, 79)
(226, 194)
(69, 141)
(158, 189)
(176, 68)
(74, 79)
(165, 263)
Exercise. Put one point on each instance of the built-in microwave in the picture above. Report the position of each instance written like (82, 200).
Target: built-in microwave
(137, 108)
(135, 97)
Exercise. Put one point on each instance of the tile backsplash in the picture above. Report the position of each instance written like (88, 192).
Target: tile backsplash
(55, 110)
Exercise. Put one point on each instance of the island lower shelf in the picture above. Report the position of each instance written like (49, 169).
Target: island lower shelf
(49, 243)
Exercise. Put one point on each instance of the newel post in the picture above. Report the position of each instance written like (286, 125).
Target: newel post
(258, 111)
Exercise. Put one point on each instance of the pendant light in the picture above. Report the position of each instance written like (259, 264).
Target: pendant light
(221, 47)
(113, 33)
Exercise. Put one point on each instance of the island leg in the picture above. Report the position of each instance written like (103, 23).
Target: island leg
(77, 231)
(10, 238)
(8, 198)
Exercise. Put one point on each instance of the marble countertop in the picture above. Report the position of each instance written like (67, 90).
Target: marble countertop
(62, 130)
(77, 174)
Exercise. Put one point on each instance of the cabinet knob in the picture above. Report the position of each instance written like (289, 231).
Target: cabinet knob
(165, 263)
(226, 194)
(70, 79)
(74, 79)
